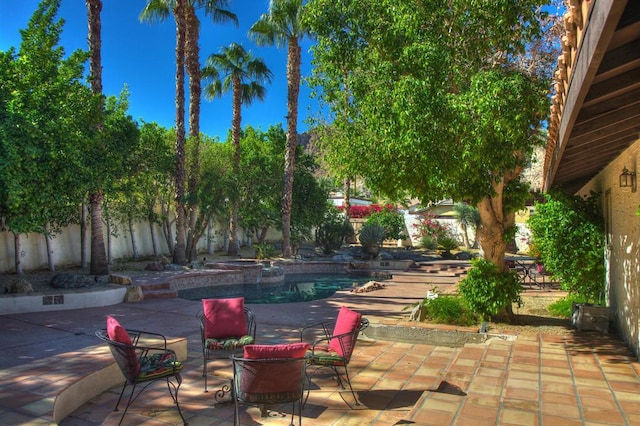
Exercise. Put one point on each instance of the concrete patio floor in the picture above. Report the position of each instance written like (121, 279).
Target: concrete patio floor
(533, 379)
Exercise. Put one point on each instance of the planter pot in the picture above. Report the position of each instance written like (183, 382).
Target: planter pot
(590, 318)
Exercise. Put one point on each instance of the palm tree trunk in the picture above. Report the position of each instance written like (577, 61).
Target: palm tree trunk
(192, 55)
(99, 264)
(293, 89)
(179, 250)
(234, 247)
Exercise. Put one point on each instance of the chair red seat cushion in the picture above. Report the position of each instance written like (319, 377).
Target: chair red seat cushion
(224, 318)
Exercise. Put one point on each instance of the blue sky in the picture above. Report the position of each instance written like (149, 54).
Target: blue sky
(142, 56)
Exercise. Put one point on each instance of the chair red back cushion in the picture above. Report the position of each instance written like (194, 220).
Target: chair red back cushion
(269, 377)
(346, 322)
(224, 318)
(128, 361)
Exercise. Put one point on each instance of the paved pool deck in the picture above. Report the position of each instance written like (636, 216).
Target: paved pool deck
(580, 378)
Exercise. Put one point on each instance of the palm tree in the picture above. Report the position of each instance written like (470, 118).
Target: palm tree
(468, 217)
(218, 11)
(99, 264)
(187, 54)
(237, 70)
(282, 26)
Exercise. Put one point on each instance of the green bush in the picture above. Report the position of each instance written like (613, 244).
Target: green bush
(487, 290)
(564, 307)
(331, 234)
(568, 234)
(449, 310)
(428, 242)
(392, 221)
(264, 251)
(371, 237)
(447, 243)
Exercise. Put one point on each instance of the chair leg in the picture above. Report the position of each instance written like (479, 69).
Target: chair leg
(174, 393)
(204, 369)
(133, 390)
(120, 397)
(346, 373)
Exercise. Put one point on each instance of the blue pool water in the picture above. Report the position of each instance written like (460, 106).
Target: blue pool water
(296, 288)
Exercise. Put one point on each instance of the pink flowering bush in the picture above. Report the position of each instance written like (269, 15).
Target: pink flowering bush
(431, 233)
(361, 212)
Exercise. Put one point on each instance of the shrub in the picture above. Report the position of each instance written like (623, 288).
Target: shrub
(428, 242)
(361, 212)
(449, 310)
(487, 290)
(371, 237)
(392, 221)
(264, 250)
(564, 307)
(568, 233)
(332, 232)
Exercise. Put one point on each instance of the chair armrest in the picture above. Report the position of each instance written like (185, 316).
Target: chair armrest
(325, 325)
(136, 335)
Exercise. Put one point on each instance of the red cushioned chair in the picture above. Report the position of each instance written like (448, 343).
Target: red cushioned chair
(142, 363)
(334, 350)
(226, 326)
(269, 375)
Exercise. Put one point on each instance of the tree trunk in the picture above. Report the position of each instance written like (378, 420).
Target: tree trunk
(18, 253)
(293, 88)
(99, 263)
(346, 198)
(84, 212)
(234, 246)
(107, 224)
(47, 240)
(192, 55)
(154, 243)
(179, 249)
(134, 246)
(210, 238)
(465, 235)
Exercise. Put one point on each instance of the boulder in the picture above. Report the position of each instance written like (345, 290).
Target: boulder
(134, 294)
(154, 266)
(21, 286)
(120, 279)
(67, 280)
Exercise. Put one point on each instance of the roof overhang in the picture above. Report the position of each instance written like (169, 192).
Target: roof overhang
(596, 108)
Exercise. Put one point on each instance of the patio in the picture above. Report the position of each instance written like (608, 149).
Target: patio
(575, 378)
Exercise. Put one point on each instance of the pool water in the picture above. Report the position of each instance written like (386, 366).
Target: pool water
(296, 288)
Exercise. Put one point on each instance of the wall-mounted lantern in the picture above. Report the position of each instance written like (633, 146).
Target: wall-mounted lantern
(628, 179)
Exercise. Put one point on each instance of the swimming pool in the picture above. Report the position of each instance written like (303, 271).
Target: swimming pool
(296, 288)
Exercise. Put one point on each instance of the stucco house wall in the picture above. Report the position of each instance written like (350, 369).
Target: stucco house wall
(623, 244)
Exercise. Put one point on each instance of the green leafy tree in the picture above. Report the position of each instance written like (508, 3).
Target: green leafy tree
(49, 120)
(283, 26)
(568, 234)
(444, 102)
(392, 221)
(236, 70)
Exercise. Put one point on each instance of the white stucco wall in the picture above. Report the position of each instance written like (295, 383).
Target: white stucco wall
(66, 246)
(623, 247)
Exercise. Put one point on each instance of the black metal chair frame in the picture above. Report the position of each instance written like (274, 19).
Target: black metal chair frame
(120, 351)
(242, 366)
(327, 328)
(212, 354)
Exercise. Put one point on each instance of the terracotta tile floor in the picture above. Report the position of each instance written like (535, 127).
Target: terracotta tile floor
(583, 378)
